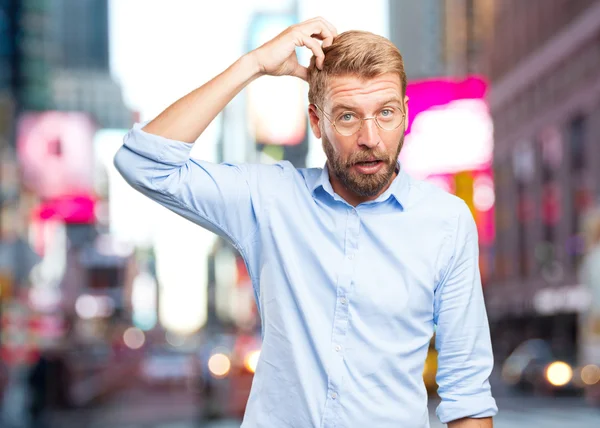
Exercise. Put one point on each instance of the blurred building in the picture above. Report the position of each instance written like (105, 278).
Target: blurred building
(9, 188)
(33, 53)
(441, 37)
(7, 44)
(81, 31)
(92, 91)
(81, 80)
(543, 63)
(417, 29)
(61, 60)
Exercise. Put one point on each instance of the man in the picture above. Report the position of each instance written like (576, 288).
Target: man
(353, 264)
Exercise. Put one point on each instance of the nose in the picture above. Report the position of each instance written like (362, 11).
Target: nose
(368, 135)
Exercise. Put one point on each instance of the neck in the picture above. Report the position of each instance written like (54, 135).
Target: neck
(353, 198)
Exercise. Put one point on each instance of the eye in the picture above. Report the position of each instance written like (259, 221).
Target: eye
(387, 114)
(347, 117)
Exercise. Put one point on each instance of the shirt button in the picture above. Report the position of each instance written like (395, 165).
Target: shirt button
(343, 300)
(333, 395)
(338, 348)
(350, 256)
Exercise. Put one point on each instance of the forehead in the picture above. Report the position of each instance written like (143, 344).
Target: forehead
(355, 91)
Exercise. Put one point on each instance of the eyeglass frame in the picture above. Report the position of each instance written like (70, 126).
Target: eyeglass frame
(362, 121)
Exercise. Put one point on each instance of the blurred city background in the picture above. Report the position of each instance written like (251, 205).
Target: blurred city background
(117, 313)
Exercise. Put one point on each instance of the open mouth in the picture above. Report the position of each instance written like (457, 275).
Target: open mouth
(369, 167)
(369, 163)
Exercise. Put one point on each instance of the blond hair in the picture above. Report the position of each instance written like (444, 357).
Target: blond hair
(355, 53)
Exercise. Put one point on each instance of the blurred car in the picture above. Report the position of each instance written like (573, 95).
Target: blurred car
(533, 367)
(167, 367)
(226, 366)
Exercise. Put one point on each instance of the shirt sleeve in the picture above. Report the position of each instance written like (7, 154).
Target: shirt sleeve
(465, 358)
(219, 197)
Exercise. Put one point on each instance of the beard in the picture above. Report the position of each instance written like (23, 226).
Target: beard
(365, 185)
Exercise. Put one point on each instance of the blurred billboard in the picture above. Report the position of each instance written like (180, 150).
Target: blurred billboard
(55, 151)
(450, 128)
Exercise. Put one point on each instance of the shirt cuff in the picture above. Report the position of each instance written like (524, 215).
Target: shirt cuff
(157, 148)
(467, 407)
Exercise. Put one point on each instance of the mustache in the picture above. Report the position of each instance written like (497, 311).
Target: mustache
(367, 156)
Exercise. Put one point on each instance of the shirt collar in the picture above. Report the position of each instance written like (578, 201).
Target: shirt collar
(399, 188)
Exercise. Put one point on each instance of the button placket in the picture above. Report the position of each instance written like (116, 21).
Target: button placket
(341, 316)
(346, 278)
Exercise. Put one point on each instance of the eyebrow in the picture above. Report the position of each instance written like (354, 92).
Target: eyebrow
(337, 107)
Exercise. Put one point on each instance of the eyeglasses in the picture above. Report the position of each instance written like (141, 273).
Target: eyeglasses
(349, 123)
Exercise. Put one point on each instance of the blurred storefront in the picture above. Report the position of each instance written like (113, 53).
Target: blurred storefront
(77, 297)
(65, 283)
(545, 101)
(56, 159)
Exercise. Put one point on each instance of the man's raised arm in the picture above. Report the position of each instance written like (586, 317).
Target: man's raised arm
(187, 118)
(223, 198)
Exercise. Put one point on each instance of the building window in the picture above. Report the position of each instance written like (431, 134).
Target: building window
(577, 143)
(503, 215)
(523, 220)
(524, 173)
(580, 197)
(551, 154)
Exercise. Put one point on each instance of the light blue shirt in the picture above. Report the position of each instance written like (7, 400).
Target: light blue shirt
(348, 296)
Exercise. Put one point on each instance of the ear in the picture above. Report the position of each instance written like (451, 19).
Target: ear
(406, 113)
(313, 116)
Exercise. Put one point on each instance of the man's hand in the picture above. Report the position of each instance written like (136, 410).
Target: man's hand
(277, 57)
(471, 423)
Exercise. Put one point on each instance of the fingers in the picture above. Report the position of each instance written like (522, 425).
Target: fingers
(325, 36)
(319, 28)
(317, 50)
(331, 28)
(308, 34)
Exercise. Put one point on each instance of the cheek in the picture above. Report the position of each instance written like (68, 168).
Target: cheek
(391, 141)
(329, 137)
(345, 147)
(342, 147)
